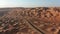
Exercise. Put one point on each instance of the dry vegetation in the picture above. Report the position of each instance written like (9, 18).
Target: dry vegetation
(31, 21)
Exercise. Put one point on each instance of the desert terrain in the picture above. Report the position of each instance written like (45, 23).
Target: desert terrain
(39, 20)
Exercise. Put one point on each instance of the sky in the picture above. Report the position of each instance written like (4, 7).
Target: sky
(29, 3)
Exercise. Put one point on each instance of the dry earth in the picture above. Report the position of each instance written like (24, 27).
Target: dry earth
(41, 20)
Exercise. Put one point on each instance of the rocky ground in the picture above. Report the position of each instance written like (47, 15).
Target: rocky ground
(41, 20)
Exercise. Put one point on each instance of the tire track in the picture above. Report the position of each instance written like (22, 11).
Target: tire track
(35, 27)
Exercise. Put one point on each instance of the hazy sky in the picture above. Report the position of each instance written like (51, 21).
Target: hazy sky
(29, 3)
